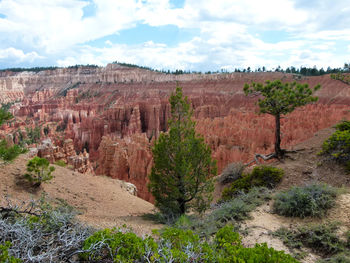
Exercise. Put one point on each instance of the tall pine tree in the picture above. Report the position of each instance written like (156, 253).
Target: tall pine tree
(279, 99)
(181, 176)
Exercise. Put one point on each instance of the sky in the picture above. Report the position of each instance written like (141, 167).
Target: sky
(196, 35)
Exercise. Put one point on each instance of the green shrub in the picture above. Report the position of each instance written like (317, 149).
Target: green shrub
(33, 135)
(10, 153)
(266, 176)
(228, 235)
(115, 245)
(258, 254)
(61, 163)
(178, 246)
(229, 249)
(343, 126)
(312, 200)
(321, 238)
(39, 171)
(4, 254)
(337, 146)
(4, 115)
(178, 237)
(231, 173)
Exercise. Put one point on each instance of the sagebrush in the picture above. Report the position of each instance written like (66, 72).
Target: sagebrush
(321, 238)
(231, 173)
(302, 201)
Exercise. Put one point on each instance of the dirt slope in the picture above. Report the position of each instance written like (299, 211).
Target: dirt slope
(101, 200)
(304, 168)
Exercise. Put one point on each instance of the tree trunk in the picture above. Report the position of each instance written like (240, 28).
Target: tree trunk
(278, 150)
(182, 207)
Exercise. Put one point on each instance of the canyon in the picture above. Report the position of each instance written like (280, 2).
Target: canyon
(104, 120)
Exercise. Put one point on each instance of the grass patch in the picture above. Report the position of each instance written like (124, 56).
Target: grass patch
(312, 200)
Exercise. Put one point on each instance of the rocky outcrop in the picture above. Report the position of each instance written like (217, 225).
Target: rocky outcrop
(128, 159)
(116, 112)
(66, 153)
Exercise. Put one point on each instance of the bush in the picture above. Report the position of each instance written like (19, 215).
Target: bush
(232, 211)
(33, 135)
(312, 200)
(266, 176)
(4, 254)
(337, 146)
(227, 235)
(231, 173)
(61, 163)
(177, 245)
(39, 171)
(179, 238)
(10, 153)
(320, 238)
(49, 234)
(343, 126)
(115, 245)
(4, 115)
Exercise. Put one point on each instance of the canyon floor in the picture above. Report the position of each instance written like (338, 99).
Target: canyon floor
(102, 202)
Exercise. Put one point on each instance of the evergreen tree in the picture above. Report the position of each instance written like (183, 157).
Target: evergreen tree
(4, 115)
(39, 171)
(182, 172)
(279, 99)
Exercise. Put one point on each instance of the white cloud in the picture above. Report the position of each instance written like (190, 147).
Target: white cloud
(18, 55)
(230, 32)
(59, 24)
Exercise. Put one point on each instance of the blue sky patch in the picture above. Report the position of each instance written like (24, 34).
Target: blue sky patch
(169, 35)
(177, 3)
(2, 15)
(89, 10)
(273, 36)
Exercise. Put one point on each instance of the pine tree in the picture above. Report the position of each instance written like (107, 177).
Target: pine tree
(4, 115)
(39, 171)
(181, 176)
(279, 99)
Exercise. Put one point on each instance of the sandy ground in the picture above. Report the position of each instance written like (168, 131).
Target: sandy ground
(101, 201)
(264, 221)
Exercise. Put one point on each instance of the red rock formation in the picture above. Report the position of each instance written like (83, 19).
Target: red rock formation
(128, 159)
(66, 153)
(116, 112)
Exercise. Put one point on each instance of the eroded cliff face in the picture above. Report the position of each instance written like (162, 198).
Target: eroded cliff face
(116, 113)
